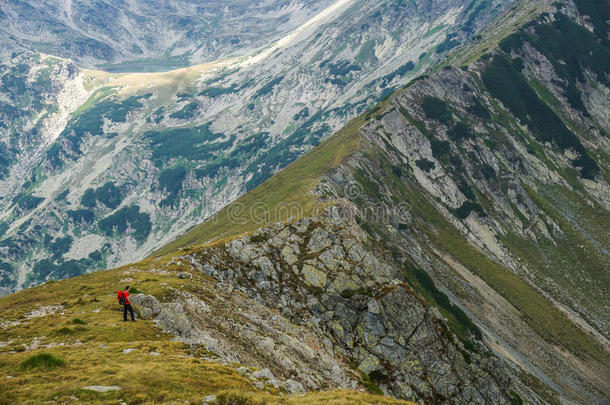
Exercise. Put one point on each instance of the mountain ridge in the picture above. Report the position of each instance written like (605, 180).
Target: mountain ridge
(476, 195)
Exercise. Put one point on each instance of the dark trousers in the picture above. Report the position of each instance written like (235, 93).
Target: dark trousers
(127, 307)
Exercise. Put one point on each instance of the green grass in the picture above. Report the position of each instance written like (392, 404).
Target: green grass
(42, 361)
(540, 314)
(434, 30)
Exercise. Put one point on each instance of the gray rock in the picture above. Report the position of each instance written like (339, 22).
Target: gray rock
(173, 319)
(101, 388)
(209, 399)
(320, 239)
(294, 387)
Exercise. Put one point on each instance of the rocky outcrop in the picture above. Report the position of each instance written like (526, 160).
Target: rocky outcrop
(328, 277)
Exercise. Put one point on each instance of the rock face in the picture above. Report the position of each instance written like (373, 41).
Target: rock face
(508, 217)
(338, 285)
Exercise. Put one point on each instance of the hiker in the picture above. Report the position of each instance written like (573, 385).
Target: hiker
(123, 297)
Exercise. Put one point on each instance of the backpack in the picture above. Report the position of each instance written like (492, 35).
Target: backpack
(120, 297)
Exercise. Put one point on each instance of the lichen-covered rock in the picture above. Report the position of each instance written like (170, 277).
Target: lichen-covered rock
(347, 291)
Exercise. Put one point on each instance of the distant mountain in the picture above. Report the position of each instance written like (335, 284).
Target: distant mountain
(139, 35)
(100, 168)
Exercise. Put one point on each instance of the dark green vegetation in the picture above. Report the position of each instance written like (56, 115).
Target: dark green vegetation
(187, 112)
(425, 164)
(401, 71)
(62, 196)
(56, 268)
(5, 159)
(448, 44)
(479, 110)
(108, 194)
(127, 217)
(170, 181)
(460, 131)
(81, 216)
(508, 84)
(268, 87)
(437, 109)
(191, 143)
(27, 202)
(585, 53)
(213, 92)
(462, 326)
(467, 207)
(42, 361)
(286, 151)
(60, 246)
(598, 12)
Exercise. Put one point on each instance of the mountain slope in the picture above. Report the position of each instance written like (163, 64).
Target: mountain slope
(131, 161)
(449, 244)
(78, 321)
(493, 179)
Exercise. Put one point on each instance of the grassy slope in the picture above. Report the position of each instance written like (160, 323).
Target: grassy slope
(175, 376)
(290, 186)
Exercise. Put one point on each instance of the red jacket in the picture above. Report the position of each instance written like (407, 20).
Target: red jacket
(124, 295)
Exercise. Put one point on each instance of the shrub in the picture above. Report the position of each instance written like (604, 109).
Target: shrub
(446, 45)
(27, 202)
(467, 207)
(460, 131)
(267, 88)
(43, 361)
(425, 164)
(79, 321)
(488, 172)
(443, 301)
(62, 196)
(170, 181)
(479, 109)
(88, 199)
(437, 109)
(188, 111)
(127, 216)
(81, 216)
(196, 143)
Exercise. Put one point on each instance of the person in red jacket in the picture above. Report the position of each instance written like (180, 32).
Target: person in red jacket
(123, 297)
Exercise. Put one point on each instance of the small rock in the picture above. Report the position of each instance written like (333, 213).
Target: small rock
(264, 373)
(102, 388)
(209, 398)
(126, 351)
(96, 310)
(184, 275)
(294, 387)
(103, 346)
(258, 385)
(243, 370)
(155, 354)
